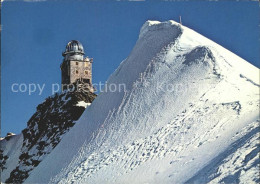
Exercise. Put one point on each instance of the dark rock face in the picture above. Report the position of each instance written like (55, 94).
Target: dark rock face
(53, 118)
(3, 159)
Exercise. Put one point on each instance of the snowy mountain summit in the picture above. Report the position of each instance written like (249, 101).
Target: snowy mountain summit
(189, 114)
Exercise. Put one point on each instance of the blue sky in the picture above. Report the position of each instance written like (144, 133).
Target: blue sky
(35, 34)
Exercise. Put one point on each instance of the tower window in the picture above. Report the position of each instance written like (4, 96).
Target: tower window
(86, 81)
(77, 72)
(77, 63)
(86, 72)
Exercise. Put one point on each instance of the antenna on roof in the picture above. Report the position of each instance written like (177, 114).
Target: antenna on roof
(180, 20)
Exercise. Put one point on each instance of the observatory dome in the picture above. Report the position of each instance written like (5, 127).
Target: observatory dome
(74, 51)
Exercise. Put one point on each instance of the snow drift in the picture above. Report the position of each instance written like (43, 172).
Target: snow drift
(189, 108)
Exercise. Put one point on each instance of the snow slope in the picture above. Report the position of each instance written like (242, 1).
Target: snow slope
(188, 102)
(11, 150)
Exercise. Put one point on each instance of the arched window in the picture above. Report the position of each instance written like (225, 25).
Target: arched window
(86, 72)
(77, 72)
(77, 63)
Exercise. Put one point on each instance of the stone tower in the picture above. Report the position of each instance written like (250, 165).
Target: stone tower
(76, 68)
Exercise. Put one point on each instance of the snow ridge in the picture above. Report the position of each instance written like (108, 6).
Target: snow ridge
(185, 104)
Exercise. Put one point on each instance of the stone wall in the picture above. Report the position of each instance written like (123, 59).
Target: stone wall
(80, 69)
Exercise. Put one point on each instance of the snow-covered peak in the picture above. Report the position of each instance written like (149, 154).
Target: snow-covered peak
(187, 100)
(152, 25)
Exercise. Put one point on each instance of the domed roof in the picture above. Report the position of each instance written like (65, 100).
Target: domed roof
(75, 47)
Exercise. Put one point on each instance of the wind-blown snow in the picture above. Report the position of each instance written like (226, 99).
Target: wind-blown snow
(187, 101)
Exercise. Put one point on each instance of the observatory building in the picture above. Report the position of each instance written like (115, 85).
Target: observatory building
(75, 67)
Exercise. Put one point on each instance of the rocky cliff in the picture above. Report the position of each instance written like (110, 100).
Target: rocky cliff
(20, 154)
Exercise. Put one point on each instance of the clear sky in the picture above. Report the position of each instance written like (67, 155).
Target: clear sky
(35, 34)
